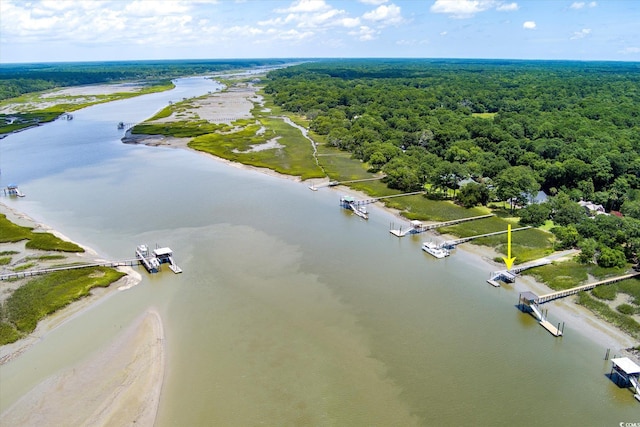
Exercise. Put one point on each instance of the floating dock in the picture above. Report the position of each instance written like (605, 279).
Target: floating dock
(527, 303)
(349, 202)
(509, 276)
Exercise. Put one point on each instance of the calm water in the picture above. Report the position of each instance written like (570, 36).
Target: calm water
(290, 311)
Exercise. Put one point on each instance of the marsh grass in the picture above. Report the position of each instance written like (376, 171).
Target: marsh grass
(10, 232)
(23, 267)
(49, 242)
(602, 310)
(47, 257)
(294, 158)
(45, 294)
(569, 274)
(179, 129)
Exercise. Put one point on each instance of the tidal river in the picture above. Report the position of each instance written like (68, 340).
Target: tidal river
(290, 311)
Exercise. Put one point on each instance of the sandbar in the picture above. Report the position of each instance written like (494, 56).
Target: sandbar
(118, 385)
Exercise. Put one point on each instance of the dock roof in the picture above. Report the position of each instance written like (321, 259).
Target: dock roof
(162, 251)
(529, 296)
(627, 365)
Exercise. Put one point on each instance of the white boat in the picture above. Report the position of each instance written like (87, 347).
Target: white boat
(435, 250)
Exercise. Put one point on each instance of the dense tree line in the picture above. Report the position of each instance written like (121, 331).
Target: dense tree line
(571, 129)
(17, 79)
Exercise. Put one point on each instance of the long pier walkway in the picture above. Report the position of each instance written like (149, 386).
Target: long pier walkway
(418, 227)
(456, 242)
(315, 187)
(376, 199)
(29, 273)
(561, 294)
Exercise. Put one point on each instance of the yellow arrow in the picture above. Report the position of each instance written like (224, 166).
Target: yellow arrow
(508, 260)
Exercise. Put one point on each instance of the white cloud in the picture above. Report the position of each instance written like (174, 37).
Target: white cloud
(581, 34)
(412, 42)
(509, 7)
(529, 25)
(581, 5)
(384, 14)
(462, 9)
(364, 33)
(443, 33)
(305, 6)
(629, 50)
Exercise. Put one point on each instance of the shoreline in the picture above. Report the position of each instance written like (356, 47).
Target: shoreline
(579, 319)
(118, 384)
(49, 323)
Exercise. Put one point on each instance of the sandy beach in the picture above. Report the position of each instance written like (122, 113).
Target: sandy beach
(117, 385)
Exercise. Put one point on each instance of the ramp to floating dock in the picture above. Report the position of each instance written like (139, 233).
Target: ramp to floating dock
(173, 266)
(536, 312)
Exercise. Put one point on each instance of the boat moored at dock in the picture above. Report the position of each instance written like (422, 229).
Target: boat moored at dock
(152, 260)
(435, 250)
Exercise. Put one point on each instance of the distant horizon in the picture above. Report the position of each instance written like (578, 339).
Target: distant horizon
(2, 64)
(63, 31)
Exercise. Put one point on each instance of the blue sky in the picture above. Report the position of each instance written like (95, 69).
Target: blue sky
(94, 30)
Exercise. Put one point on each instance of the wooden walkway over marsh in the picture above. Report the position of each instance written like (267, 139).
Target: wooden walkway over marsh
(456, 242)
(561, 294)
(29, 273)
(418, 227)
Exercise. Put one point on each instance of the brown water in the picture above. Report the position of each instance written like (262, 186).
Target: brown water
(290, 310)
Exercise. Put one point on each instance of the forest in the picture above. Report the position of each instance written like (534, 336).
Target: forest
(481, 130)
(17, 79)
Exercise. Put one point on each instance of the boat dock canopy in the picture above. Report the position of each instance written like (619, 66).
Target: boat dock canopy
(162, 252)
(626, 365)
(529, 297)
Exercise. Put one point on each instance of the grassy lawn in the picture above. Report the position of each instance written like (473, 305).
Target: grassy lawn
(43, 295)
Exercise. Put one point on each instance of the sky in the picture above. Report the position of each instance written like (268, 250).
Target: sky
(105, 30)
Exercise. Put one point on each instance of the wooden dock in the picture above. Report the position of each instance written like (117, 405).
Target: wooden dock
(527, 303)
(561, 294)
(151, 263)
(416, 227)
(377, 199)
(29, 273)
(456, 242)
